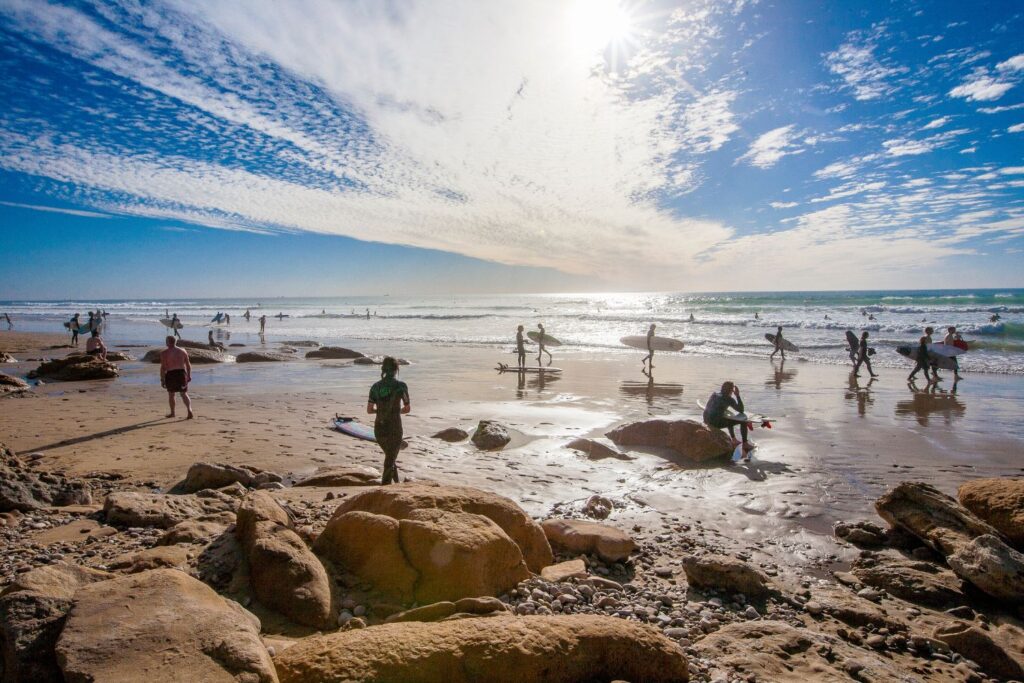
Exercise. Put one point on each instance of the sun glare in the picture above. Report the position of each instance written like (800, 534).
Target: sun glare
(596, 24)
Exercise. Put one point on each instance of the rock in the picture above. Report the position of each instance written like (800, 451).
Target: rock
(852, 610)
(923, 583)
(205, 475)
(75, 369)
(775, 651)
(10, 384)
(484, 605)
(598, 507)
(7, 358)
(1000, 503)
(199, 530)
(490, 436)
(992, 566)
(597, 449)
(932, 516)
(563, 571)
(189, 344)
(124, 508)
(504, 649)
(23, 488)
(349, 475)
(285, 575)
(725, 573)
(160, 625)
(399, 500)
(202, 355)
(580, 536)
(262, 357)
(691, 439)
(452, 435)
(160, 557)
(376, 360)
(863, 534)
(32, 612)
(971, 642)
(333, 352)
(433, 612)
(306, 343)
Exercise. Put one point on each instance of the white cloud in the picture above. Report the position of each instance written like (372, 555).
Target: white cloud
(708, 123)
(1001, 109)
(782, 205)
(1015, 63)
(862, 72)
(902, 147)
(772, 146)
(981, 87)
(937, 123)
(1016, 128)
(849, 190)
(969, 150)
(1012, 170)
(55, 209)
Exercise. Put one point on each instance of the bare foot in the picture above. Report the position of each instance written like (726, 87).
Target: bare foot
(747, 447)
(169, 415)
(190, 415)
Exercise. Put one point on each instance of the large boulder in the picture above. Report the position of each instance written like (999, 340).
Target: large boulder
(308, 343)
(490, 436)
(932, 516)
(924, 583)
(503, 649)
(333, 353)
(348, 475)
(992, 566)
(203, 355)
(206, 475)
(691, 439)
(999, 502)
(198, 530)
(971, 642)
(399, 500)
(32, 613)
(285, 575)
(262, 357)
(596, 449)
(10, 384)
(591, 538)
(75, 369)
(23, 488)
(160, 625)
(725, 573)
(127, 508)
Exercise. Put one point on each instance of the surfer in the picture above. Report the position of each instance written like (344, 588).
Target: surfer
(7, 317)
(648, 361)
(74, 329)
(692, 318)
(263, 323)
(850, 339)
(757, 315)
(175, 324)
(922, 356)
(213, 344)
(388, 401)
(995, 318)
(247, 315)
(714, 414)
(520, 348)
(862, 356)
(952, 337)
(227, 319)
(94, 345)
(175, 374)
(778, 344)
(540, 343)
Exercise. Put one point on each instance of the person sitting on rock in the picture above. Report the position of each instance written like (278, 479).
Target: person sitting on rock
(388, 401)
(715, 413)
(94, 346)
(214, 344)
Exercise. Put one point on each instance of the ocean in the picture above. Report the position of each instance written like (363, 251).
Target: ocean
(722, 324)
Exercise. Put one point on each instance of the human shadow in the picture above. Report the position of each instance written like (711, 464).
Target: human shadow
(932, 400)
(780, 375)
(860, 394)
(650, 391)
(756, 469)
(100, 435)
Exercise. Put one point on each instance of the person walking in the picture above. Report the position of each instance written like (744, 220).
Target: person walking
(176, 325)
(862, 356)
(648, 362)
(778, 344)
(388, 401)
(541, 338)
(922, 356)
(520, 348)
(7, 317)
(74, 329)
(952, 337)
(175, 374)
(263, 323)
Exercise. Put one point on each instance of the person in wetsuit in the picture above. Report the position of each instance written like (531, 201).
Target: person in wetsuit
(648, 361)
(389, 400)
(520, 348)
(922, 356)
(541, 339)
(717, 405)
(778, 344)
(952, 337)
(862, 356)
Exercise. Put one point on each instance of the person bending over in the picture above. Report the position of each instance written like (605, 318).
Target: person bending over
(717, 406)
(175, 374)
(389, 400)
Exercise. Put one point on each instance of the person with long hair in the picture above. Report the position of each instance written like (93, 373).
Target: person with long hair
(389, 400)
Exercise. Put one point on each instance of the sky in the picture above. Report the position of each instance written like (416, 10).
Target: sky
(336, 147)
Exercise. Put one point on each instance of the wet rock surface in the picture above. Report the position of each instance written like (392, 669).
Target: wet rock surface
(490, 436)
(75, 369)
(690, 439)
(334, 353)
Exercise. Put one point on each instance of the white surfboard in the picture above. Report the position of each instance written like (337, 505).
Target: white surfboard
(167, 322)
(548, 339)
(947, 350)
(657, 343)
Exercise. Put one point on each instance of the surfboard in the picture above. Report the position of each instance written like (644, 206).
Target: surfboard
(944, 362)
(505, 367)
(82, 329)
(854, 343)
(167, 322)
(786, 344)
(217, 318)
(352, 427)
(733, 415)
(657, 343)
(944, 349)
(548, 339)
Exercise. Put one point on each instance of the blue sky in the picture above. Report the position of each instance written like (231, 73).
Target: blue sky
(321, 147)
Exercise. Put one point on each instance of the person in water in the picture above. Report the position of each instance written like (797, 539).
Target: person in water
(175, 374)
(388, 401)
(541, 338)
(862, 356)
(94, 345)
(922, 356)
(778, 344)
(952, 337)
(648, 362)
(520, 348)
(75, 324)
(263, 323)
(717, 406)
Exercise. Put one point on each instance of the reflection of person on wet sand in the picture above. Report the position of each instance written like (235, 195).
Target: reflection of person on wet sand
(717, 406)
(540, 342)
(931, 400)
(780, 375)
(861, 394)
(648, 362)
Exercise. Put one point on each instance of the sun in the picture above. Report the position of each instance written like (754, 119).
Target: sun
(596, 24)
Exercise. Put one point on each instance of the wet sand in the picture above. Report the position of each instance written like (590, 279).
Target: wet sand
(835, 447)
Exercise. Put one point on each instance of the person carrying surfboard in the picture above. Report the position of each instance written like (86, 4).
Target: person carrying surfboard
(175, 324)
(263, 323)
(540, 343)
(778, 344)
(714, 413)
(922, 356)
(862, 356)
(648, 362)
(951, 339)
(74, 329)
(520, 348)
(388, 401)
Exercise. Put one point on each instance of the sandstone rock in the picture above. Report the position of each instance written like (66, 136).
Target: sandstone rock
(853, 610)
(923, 583)
(598, 507)
(863, 534)
(189, 344)
(333, 352)
(971, 642)
(597, 449)
(504, 649)
(689, 438)
(490, 436)
(10, 384)
(160, 625)
(196, 356)
(399, 500)
(32, 612)
(262, 357)
(199, 530)
(932, 516)
(75, 369)
(564, 571)
(725, 573)
(285, 575)
(992, 566)
(1000, 503)
(159, 557)
(482, 605)
(205, 475)
(452, 435)
(349, 475)
(432, 612)
(162, 510)
(580, 536)
(307, 343)
(23, 488)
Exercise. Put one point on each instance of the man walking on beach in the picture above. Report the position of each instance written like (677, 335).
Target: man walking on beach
(388, 401)
(175, 324)
(952, 337)
(922, 356)
(263, 323)
(175, 374)
(648, 362)
(717, 406)
(540, 343)
(778, 344)
(74, 329)
(520, 348)
(862, 356)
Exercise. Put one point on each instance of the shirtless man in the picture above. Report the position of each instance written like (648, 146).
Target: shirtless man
(175, 374)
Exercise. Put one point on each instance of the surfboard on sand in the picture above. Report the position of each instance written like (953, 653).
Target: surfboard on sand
(657, 343)
(168, 322)
(786, 344)
(548, 339)
(949, 350)
(733, 415)
(944, 362)
(505, 367)
(352, 427)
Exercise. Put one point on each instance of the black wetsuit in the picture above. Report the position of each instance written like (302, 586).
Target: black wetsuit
(521, 349)
(862, 357)
(388, 395)
(922, 359)
(714, 414)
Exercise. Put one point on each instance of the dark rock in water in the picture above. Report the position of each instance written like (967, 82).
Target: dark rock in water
(197, 356)
(111, 355)
(452, 435)
(998, 501)
(189, 344)
(688, 438)
(236, 344)
(205, 475)
(597, 449)
(75, 368)
(262, 357)
(725, 573)
(10, 384)
(333, 353)
(377, 360)
(598, 507)
(305, 343)
(24, 489)
(490, 436)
